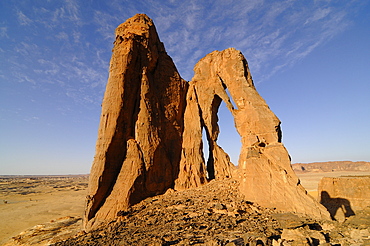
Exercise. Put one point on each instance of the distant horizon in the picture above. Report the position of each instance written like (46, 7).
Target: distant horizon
(84, 174)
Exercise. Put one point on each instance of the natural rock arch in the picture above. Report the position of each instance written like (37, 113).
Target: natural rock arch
(264, 168)
(150, 133)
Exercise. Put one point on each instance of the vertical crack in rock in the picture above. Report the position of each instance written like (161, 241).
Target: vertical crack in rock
(150, 133)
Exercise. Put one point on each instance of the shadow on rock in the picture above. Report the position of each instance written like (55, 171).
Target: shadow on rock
(337, 207)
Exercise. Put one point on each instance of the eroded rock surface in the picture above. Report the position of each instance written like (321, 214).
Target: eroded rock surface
(150, 133)
(264, 168)
(343, 196)
(140, 133)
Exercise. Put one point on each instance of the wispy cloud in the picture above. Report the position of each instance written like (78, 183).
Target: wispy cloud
(105, 26)
(4, 32)
(48, 67)
(23, 19)
(62, 36)
(72, 9)
(76, 36)
(61, 15)
(69, 11)
(69, 44)
(26, 49)
(21, 77)
(33, 118)
(272, 36)
(318, 15)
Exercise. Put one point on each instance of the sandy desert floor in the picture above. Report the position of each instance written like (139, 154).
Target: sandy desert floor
(28, 201)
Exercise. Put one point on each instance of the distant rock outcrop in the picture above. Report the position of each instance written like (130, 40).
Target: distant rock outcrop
(150, 133)
(332, 166)
(345, 195)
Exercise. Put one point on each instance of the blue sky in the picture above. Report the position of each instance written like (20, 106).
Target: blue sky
(310, 60)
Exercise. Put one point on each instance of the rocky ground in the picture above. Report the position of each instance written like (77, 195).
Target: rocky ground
(215, 214)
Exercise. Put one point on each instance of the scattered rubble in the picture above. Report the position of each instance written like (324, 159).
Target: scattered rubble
(216, 214)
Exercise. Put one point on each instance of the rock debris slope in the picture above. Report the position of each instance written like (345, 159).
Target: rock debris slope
(215, 214)
(150, 133)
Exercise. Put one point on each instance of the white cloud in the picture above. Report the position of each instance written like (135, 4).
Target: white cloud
(23, 19)
(62, 36)
(100, 62)
(272, 35)
(4, 32)
(76, 36)
(318, 15)
(104, 22)
(32, 118)
(72, 10)
(26, 49)
(49, 67)
(60, 14)
(21, 77)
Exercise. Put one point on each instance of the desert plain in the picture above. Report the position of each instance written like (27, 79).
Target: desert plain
(29, 201)
(36, 209)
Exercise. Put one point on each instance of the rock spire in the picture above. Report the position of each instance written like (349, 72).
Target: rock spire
(150, 133)
(141, 124)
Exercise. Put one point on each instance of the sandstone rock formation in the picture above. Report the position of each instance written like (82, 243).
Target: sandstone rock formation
(332, 166)
(150, 133)
(140, 133)
(264, 164)
(343, 196)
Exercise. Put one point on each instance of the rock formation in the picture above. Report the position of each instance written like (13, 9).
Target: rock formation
(264, 167)
(332, 166)
(140, 133)
(150, 133)
(343, 196)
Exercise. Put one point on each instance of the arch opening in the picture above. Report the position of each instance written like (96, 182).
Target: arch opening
(231, 98)
(206, 151)
(228, 139)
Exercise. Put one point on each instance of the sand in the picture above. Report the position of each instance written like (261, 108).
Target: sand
(27, 201)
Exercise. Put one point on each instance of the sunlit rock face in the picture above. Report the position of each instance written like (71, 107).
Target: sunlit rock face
(140, 133)
(264, 168)
(150, 133)
(344, 196)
